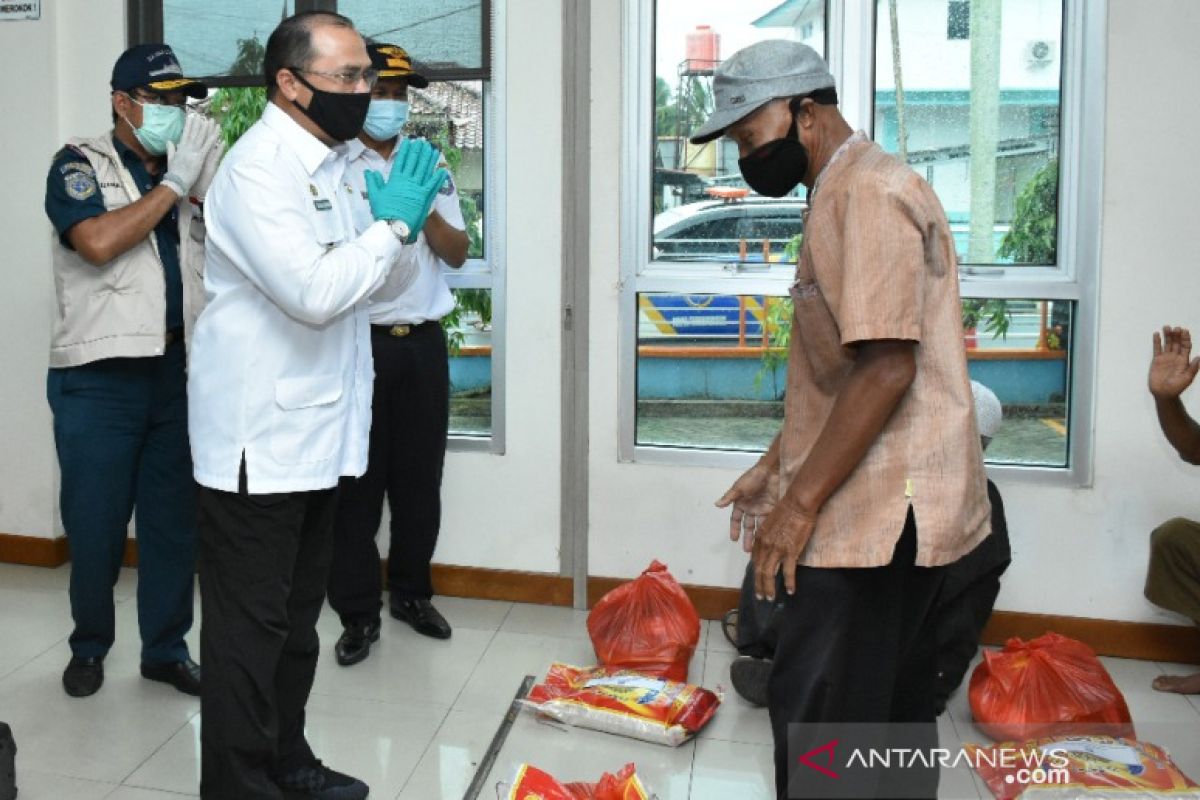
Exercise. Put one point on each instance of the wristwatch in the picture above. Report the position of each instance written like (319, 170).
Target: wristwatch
(399, 229)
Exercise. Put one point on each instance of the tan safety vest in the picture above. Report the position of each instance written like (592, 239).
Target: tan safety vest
(119, 309)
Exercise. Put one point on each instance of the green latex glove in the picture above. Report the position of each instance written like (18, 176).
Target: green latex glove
(409, 192)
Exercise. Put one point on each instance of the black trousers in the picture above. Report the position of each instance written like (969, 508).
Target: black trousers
(410, 414)
(264, 563)
(856, 645)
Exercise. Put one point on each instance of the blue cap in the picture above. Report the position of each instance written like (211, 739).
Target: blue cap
(153, 67)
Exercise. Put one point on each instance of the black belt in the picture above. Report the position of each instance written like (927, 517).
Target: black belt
(400, 331)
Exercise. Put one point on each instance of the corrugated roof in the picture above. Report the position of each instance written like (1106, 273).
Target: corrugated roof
(458, 102)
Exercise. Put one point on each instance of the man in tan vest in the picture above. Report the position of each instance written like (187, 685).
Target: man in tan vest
(128, 256)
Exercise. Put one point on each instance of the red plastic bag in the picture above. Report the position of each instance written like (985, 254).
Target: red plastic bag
(647, 625)
(533, 784)
(1044, 687)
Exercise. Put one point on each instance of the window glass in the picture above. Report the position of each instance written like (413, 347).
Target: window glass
(694, 184)
(445, 36)
(977, 115)
(469, 339)
(217, 38)
(1021, 350)
(710, 370)
(221, 37)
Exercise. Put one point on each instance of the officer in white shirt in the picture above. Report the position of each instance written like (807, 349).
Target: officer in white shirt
(411, 396)
(280, 391)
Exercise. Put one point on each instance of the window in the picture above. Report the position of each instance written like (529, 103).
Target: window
(990, 110)
(459, 111)
(958, 20)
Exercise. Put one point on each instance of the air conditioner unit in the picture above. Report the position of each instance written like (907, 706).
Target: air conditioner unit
(1040, 52)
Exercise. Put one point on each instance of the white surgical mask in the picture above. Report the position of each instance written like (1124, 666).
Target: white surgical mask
(385, 118)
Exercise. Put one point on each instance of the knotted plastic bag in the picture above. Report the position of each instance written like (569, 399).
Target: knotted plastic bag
(647, 625)
(1044, 687)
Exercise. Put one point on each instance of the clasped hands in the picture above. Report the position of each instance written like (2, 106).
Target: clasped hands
(408, 193)
(773, 529)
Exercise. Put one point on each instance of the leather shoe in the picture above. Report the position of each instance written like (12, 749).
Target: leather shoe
(355, 642)
(183, 675)
(318, 782)
(83, 676)
(421, 614)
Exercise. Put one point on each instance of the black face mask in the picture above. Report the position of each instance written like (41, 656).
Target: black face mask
(340, 115)
(777, 167)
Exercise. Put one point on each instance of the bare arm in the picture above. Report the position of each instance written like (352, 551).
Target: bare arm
(1172, 370)
(882, 374)
(447, 242)
(102, 238)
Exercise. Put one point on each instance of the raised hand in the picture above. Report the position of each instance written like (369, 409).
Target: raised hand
(1172, 369)
(409, 192)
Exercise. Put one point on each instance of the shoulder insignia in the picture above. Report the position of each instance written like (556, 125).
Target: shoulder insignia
(80, 185)
(448, 187)
(76, 166)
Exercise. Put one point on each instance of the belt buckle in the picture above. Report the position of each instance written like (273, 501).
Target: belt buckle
(400, 330)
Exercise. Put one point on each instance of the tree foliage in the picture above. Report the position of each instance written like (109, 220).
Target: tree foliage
(1033, 237)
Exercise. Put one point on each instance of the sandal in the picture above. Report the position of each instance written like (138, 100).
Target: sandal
(729, 626)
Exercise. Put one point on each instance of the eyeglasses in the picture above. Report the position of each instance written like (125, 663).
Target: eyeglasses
(347, 77)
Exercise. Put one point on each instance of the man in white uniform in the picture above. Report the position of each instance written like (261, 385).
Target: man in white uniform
(410, 408)
(280, 391)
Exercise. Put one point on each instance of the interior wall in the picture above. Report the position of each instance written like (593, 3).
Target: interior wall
(61, 90)
(28, 88)
(1080, 551)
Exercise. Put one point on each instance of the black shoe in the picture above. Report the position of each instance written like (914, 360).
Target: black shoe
(355, 642)
(749, 677)
(319, 782)
(421, 614)
(83, 676)
(183, 675)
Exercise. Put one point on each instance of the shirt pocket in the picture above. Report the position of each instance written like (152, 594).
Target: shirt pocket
(817, 330)
(307, 422)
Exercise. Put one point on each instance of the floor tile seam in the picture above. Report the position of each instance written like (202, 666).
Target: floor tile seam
(35, 657)
(421, 758)
(147, 759)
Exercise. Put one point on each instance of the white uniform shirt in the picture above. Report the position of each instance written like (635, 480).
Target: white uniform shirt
(280, 362)
(416, 291)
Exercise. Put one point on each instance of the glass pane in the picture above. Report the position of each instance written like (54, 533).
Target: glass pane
(440, 34)
(469, 336)
(968, 93)
(450, 114)
(221, 37)
(707, 377)
(703, 210)
(226, 37)
(1021, 350)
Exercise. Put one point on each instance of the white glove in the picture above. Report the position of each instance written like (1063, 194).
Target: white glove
(208, 170)
(186, 159)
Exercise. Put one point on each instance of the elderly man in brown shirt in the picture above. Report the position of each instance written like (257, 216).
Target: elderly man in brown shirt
(876, 480)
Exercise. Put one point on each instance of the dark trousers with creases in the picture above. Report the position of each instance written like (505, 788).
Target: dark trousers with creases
(410, 411)
(264, 563)
(120, 429)
(857, 645)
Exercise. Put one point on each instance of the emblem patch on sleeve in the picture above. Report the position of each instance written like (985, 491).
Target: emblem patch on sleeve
(80, 185)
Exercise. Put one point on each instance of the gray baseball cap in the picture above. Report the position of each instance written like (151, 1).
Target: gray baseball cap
(756, 75)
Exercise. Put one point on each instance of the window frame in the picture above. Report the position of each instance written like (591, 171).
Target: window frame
(850, 44)
(145, 19)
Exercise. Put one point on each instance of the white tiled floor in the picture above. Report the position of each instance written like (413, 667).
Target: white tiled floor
(415, 719)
